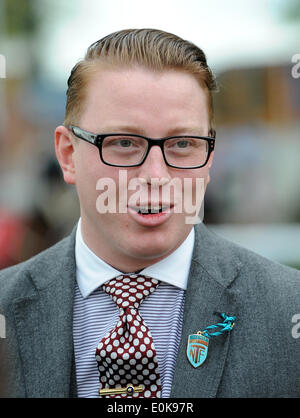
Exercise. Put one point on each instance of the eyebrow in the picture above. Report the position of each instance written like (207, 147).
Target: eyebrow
(184, 130)
(121, 128)
(189, 130)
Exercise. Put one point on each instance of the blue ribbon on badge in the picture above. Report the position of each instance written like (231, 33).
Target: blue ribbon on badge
(224, 326)
(197, 346)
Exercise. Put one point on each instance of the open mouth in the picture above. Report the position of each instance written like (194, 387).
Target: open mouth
(151, 215)
(151, 210)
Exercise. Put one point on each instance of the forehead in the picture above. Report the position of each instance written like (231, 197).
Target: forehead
(142, 97)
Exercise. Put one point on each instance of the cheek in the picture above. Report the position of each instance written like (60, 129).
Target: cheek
(86, 175)
(88, 171)
(193, 190)
(203, 174)
(194, 178)
(85, 159)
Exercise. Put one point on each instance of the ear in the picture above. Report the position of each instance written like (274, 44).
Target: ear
(64, 148)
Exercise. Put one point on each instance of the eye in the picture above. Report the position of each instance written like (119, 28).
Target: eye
(182, 143)
(125, 143)
(119, 142)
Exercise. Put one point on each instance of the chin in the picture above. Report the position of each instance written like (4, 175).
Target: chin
(155, 248)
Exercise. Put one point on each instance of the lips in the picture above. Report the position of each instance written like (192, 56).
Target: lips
(151, 215)
(151, 209)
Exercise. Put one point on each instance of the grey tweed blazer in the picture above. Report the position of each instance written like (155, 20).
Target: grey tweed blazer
(260, 357)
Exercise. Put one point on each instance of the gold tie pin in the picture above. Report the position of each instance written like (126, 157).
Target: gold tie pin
(130, 389)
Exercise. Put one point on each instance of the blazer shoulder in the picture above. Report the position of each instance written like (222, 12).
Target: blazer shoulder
(249, 272)
(16, 281)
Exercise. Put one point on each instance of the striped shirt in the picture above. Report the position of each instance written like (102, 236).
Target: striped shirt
(95, 314)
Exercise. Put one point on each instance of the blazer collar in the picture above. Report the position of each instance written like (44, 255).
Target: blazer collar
(213, 269)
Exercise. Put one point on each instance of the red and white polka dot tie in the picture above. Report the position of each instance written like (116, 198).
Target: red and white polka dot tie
(126, 356)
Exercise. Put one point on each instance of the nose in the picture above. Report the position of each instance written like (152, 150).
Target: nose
(154, 169)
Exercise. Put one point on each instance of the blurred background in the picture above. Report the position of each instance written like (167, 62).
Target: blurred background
(252, 46)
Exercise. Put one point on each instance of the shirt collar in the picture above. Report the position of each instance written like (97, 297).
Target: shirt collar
(92, 271)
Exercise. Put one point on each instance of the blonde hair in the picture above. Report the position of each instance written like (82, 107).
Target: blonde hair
(151, 48)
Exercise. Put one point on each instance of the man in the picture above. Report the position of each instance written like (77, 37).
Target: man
(139, 122)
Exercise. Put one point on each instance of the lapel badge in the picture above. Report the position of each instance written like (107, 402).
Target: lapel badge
(197, 348)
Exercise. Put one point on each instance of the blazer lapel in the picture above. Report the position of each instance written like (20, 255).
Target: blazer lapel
(44, 321)
(206, 296)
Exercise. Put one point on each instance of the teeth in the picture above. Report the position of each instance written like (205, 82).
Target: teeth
(149, 210)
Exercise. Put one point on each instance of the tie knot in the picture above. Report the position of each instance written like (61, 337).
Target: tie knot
(129, 290)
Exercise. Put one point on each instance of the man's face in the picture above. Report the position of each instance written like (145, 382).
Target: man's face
(156, 105)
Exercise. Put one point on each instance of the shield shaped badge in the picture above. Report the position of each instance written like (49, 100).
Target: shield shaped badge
(197, 348)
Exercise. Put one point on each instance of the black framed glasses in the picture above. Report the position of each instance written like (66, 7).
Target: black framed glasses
(130, 150)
